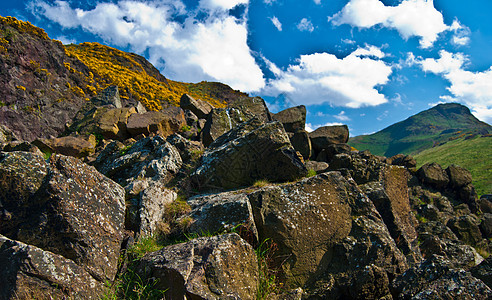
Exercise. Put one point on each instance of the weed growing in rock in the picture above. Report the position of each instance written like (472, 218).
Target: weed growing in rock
(268, 281)
(261, 183)
(311, 173)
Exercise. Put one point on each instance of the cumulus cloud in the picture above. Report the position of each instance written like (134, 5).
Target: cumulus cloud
(276, 23)
(305, 25)
(474, 89)
(324, 78)
(187, 45)
(410, 18)
(342, 116)
(461, 35)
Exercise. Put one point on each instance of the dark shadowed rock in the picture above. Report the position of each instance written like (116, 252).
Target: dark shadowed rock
(363, 166)
(406, 161)
(198, 107)
(302, 143)
(65, 207)
(329, 152)
(244, 156)
(150, 157)
(219, 267)
(29, 272)
(187, 149)
(485, 203)
(433, 175)
(436, 279)
(6, 135)
(22, 146)
(252, 107)
(293, 118)
(458, 176)
(486, 225)
(68, 145)
(466, 229)
(223, 212)
(483, 271)
(324, 136)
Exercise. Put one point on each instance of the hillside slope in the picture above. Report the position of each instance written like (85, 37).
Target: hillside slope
(422, 131)
(44, 83)
(474, 154)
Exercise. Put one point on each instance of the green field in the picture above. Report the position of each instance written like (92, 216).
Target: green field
(473, 154)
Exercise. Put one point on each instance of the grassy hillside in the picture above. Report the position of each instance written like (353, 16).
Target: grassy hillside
(474, 154)
(422, 131)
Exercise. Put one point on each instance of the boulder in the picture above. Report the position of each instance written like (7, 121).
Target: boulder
(151, 157)
(293, 118)
(219, 267)
(302, 143)
(29, 272)
(67, 145)
(324, 136)
(22, 146)
(433, 175)
(188, 150)
(63, 206)
(329, 152)
(221, 120)
(485, 203)
(391, 200)
(318, 166)
(109, 96)
(486, 225)
(198, 107)
(362, 166)
(162, 122)
(323, 225)
(7, 135)
(458, 176)
(466, 229)
(436, 279)
(242, 156)
(221, 213)
(406, 161)
(148, 205)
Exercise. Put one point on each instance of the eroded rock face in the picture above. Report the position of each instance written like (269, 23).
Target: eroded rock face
(29, 272)
(219, 267)
(164, 122)
(458, 176)
(68, 145)
(249, 153)
(66, 207)
(433, 175)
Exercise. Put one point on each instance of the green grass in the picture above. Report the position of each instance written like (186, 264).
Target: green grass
(473, 154)
(268, 282)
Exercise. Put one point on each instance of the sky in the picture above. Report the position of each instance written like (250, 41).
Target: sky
(364, 63)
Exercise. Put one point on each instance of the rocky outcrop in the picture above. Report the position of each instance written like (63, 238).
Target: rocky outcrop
(302, 143)
(433, 175)
(163, 122)
(29, 272)
(252, 151)
(220, 267)
(65, 207)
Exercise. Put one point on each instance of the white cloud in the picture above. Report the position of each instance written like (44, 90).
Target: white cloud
(474, 89)
(342, 116)
(276, 23)
(305, 25)
(324, 78)
(369, 51)
(317, 2)
(410, 18)
(310, 127)
(211, 48)
(461, 34)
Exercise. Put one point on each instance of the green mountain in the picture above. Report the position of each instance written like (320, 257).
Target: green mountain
(422, 131)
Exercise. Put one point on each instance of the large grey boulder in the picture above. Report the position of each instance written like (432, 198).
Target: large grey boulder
(293, 118)
(63, 206)
(458, 176)
(67, 145)
(433, 175)
(198, 107)
(324, 225)
(324, 136)
(219, 267)
(302, 143)
(29, 272)
(165, 122)
(151, 157)
(109, 96)
(250, 152)
(223, 212)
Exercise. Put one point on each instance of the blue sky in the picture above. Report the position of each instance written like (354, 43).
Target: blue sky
(364, 63)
